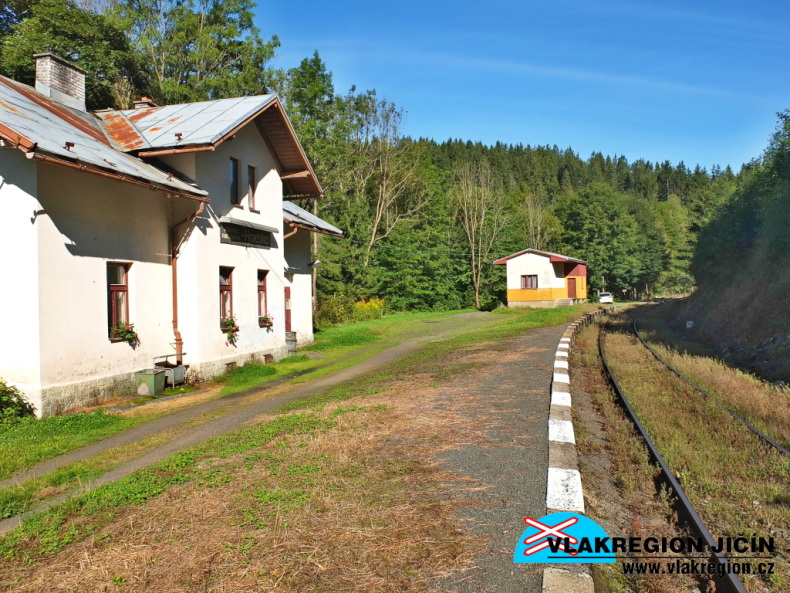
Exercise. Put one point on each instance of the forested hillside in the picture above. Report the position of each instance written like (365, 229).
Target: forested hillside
(424, 219)
(742, 306)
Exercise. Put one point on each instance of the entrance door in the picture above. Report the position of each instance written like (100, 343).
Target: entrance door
(571, 288)
(288, 308)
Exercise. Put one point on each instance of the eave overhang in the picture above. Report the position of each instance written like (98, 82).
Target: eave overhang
(131, 131)
(553, 257)
(54, 160)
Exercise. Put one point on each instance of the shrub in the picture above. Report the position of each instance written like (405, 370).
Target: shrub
(333, 310)
(370, 309)
(13, 404)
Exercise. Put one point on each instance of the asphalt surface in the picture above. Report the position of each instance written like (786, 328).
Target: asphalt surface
(509, 404)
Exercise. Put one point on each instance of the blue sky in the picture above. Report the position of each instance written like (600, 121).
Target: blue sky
(679, 81)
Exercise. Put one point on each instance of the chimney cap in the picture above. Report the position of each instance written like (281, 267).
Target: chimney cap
(144, 102)
(63, 61)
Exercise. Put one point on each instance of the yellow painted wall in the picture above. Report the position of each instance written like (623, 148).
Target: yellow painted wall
(581, 286)
(536, 294)
(548, 294)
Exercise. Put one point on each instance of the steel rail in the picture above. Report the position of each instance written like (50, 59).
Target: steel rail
(730, 580)
(735, 415)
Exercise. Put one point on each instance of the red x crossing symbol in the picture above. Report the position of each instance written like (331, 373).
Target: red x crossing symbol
(546, 531)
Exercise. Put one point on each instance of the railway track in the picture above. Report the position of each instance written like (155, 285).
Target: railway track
(727, 581)
(760, 434)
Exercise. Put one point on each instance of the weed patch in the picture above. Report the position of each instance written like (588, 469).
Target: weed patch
(727, 473)
(29, 440)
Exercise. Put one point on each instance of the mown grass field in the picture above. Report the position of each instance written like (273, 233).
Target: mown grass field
(30, 440)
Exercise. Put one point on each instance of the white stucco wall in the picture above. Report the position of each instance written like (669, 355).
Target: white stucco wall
(203, 254)
(20, 362)
(549, 275)
(89, 222)
(297, 255)
(54, 339)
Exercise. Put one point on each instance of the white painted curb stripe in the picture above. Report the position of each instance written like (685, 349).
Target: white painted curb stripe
(560, 398)
(561, 378)
(564, 491)
(567, 340)
(557, 580)
(561, 354)
(561, 431)
(560, 364)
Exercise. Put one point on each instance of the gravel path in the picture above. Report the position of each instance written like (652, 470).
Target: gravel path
(508, 403)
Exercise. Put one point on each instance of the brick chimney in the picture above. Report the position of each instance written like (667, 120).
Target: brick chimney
(60, 80)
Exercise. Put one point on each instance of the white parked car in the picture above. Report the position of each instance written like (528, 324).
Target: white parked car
(605, 297)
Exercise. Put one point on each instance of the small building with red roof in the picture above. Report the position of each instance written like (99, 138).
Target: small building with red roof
(544, 279)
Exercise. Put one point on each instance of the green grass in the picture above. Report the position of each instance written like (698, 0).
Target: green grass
(178, 390)
(513, 322)
(340, 346)
(30, 440)
(344, 336)
(48, 532)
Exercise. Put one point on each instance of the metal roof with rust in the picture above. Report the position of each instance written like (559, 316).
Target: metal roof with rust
(300, 217)
(191, 127)
(116, 143)
(188, 124)
(48, 131)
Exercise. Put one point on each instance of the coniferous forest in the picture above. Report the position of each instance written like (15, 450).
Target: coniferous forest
(424, 218)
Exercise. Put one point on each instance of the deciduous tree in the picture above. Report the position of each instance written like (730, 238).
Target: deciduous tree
(480, 210)
(90, 40)
(198, 49)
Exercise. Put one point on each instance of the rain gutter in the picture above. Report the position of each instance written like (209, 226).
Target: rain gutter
(86, 169)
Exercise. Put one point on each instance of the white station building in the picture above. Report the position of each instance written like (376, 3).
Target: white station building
(169, 218)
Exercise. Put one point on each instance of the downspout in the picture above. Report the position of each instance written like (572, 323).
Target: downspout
(174, 269)
(292, 233)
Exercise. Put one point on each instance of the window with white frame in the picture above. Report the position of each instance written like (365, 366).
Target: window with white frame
(529, 281)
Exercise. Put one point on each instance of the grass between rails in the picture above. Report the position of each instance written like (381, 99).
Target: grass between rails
(765, 405)
(78, 517)
(735, 483)
(649, 512)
